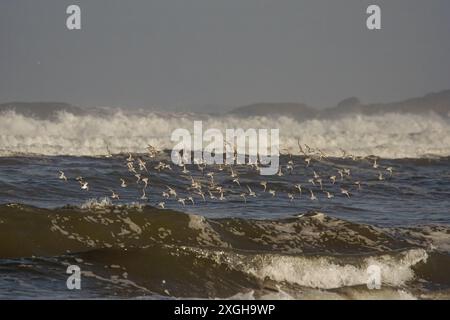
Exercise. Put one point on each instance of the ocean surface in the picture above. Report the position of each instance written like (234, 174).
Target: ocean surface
(277, 243)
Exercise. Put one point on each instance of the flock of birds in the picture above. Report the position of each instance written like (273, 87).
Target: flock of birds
(204, 184)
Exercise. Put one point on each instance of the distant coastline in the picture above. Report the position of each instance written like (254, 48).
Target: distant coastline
(436, 102)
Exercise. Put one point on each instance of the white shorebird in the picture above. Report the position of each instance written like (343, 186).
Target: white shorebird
(172, 191)
(191, 200)
(62, 176)
(319, 181)
(165, 195)
(142, 165)
(182, 201)
(329, 195)
(236, 180)
(322, 155)
(243, 195)
(131, 168)
(130, 158)
(145, 181)
(308, 161)
(161, 205)
(313, 197)
(221, 198)
(162, 166)
(290, 166)
(375, 164)
(333, 179)
(389, 169)
(201, 194)
(272, 192)
(152, 151)
(316, 176)
(144, 195)
(344, 191)
(358, 183)
(211, 196)
(290, 196)
(138, 177)
(300, 147)
(380, 176)
(251, 192)
(158, 167)
(211, 176)
(114, 195)
(280, 172)
(264, 184)
(299, 187)
(195, 184)
(84, 185)
(123, 183)
(185, 171)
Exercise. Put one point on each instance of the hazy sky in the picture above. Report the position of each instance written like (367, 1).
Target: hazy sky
(222, 52)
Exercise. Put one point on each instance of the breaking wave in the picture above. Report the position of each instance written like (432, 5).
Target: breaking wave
(390, 135)
(144, 251)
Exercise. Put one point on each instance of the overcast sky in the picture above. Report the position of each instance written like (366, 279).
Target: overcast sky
(222, 52)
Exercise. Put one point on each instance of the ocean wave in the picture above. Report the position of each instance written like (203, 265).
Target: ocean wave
(99, 225)
(322, 272)
(144, 250)
(388, 135)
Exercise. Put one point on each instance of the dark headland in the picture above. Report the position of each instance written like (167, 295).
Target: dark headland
(438, 103)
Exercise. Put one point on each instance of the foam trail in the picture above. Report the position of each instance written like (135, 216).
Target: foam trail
(325, 272)
(389, 135)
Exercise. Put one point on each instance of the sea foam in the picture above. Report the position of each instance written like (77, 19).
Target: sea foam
(390, 135)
